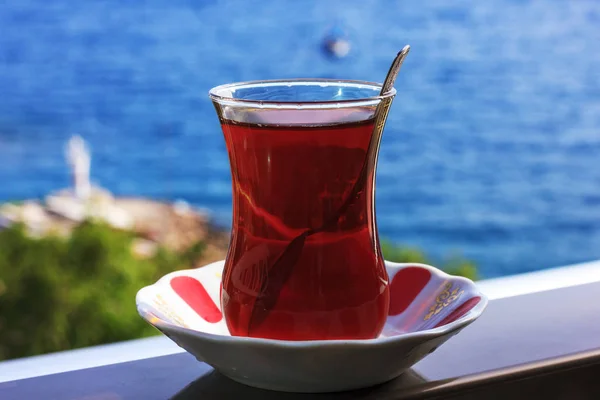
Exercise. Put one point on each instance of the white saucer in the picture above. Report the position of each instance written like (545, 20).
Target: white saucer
(427, 307)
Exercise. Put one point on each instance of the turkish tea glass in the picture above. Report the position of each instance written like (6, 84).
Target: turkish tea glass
(304, 261)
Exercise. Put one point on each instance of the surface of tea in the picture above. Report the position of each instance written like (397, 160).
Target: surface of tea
(288, 180)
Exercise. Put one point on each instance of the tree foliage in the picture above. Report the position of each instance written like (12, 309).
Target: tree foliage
(64, 293)
(454, 264)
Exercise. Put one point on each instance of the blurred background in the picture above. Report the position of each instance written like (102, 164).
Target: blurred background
(488, 164)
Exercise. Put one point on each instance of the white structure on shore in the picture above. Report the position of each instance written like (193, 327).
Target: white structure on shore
(83, 200)
(78, 157)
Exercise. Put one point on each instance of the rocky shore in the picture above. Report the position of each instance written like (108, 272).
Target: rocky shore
(175, 226)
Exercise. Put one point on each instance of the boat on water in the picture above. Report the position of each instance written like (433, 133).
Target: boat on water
(336, 43)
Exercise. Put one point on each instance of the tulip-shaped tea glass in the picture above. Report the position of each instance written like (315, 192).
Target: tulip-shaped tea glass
(304, 261)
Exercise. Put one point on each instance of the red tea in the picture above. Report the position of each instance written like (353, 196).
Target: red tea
(294, 180)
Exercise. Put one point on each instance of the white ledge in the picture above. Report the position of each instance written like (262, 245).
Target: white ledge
(133, 350)
(88, 357)
(540, 281)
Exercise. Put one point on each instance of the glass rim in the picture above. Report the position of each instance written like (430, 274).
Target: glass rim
(216, 94)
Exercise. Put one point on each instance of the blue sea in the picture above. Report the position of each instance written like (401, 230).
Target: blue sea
(492, 147)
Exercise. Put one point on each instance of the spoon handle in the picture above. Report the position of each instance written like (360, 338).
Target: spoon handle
(392, 74)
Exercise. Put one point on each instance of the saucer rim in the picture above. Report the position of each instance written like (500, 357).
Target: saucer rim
(454, 326)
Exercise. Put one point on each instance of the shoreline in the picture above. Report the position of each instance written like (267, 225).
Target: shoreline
(174, 225)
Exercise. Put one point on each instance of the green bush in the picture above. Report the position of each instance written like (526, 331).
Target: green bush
(63, 293)
(455, 264)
